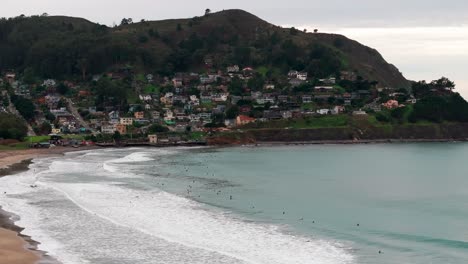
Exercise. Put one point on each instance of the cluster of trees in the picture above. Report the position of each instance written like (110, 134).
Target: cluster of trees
(112, 92)
(441, 108)
(24, 106)
(12, 127)
(437, 102)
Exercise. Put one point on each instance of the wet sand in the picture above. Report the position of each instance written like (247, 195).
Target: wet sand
(11, 158)
(13, 249)
(16, 248)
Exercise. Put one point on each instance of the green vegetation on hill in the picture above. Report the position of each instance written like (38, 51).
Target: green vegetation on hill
(12, 127)
(62, 46)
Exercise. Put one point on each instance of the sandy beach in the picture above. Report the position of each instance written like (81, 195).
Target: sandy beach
(14, 247)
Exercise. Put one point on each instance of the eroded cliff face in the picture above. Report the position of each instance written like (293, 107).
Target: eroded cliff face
(456, 131)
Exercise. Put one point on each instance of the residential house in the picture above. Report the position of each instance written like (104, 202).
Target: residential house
(220, 109)
(10, 77)
(168, 115)
(323, 111)
(205, 98)
(204, 116)
(109, 129)
(167, 101)
(244, 120)
(230, 122)
(139, 115)
(337, 110)
(149, 78)
(328, 81)
(323, 88)
(302, 76)
(283, 98)
(114, 117)
(233, 69)
(272, 115)
(153, 139)
(177, 82)
(235, 99)
(292, 74)
(127, 121)
(179, 99)
(220, 97)
(205, 79)
(286, 114)
(412, 100)
(248, 72)
(391, 104)
(56, 130)
(359, 113)
(256, 95)
(307, 99)
(155, 115)
(194, 100)
(49, 83)
(145, 97)
(121, 128)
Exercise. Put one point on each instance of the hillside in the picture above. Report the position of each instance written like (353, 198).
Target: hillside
(64, 46)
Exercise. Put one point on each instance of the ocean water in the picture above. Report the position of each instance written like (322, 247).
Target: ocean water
(383, 203)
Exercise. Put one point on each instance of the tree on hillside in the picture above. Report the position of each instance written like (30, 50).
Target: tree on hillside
(207, 11)
(12, 127)
(24, 106)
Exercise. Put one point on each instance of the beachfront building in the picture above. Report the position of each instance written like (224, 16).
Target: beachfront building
(244, 120)
(153, 139)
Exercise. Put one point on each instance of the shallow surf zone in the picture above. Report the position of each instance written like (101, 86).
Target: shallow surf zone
(83, 213)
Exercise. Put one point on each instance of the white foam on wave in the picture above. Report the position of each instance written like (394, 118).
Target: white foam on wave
(161, 215)
(133, 157)
(13, 189)
(183, 221)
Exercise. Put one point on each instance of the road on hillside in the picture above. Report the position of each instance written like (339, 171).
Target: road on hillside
(77, 116)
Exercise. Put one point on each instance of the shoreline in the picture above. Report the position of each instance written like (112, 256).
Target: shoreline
(16, 247)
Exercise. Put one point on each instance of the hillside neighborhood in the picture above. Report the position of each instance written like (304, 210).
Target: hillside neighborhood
(138, 106)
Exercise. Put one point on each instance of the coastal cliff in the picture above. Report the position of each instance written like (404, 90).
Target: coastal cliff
(430, 132)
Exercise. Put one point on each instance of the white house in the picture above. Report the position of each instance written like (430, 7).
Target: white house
(49, 83)
(292, 74)
(110, 129)
(306, 99)
(302, 76)
(359, 112)
(337, 110)
(323, 88)
(232, 69)
(323, 111)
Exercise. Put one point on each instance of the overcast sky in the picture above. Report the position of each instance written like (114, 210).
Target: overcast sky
(425, 39)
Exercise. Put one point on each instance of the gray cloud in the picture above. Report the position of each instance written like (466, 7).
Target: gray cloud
(340, 13)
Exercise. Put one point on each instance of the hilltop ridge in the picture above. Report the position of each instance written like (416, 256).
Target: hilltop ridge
(55, 46)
